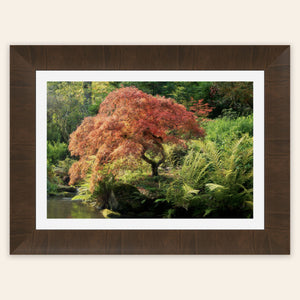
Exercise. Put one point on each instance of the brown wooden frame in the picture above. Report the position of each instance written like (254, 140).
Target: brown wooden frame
(25, 60)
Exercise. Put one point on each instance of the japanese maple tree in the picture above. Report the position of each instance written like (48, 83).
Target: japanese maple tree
(130, 125)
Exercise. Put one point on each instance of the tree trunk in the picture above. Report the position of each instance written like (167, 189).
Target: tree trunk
(154, 165)
(154, 169)
(87, 89)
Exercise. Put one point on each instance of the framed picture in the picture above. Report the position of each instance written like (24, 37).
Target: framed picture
(150, 150)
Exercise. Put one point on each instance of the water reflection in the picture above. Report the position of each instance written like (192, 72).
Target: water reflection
(66, 208)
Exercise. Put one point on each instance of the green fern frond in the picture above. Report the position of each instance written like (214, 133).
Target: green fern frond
(214, 186)
(189, 190)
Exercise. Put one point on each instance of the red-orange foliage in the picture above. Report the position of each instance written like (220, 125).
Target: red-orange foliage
(200, 109)
(130, 124)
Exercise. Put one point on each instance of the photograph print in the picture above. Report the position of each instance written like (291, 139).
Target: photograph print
(150, 149)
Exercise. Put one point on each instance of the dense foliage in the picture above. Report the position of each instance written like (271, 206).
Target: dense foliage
(225, 129)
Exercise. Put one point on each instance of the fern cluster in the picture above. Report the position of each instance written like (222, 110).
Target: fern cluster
(101, 192)
(216, 182)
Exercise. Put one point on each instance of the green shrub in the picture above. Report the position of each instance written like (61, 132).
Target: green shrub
(101, 193)
(224, 130)
(62, 169)
(66, 164)
(52, 179)
(83, 192)
(113, 195)
(229, 113)
(103, 190)
(56, 151)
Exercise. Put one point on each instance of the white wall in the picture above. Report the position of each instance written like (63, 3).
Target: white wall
(150, 22)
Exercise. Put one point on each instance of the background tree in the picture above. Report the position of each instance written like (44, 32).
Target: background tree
(231, 98)
(65, 109)
(133, 125)
(201, 109)
(69, 102)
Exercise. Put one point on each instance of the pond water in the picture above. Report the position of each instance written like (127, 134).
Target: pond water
(68, 208)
